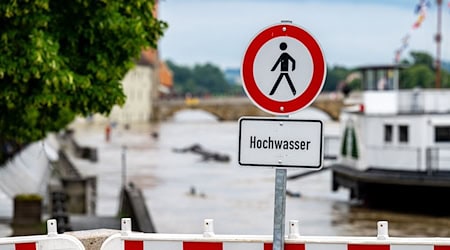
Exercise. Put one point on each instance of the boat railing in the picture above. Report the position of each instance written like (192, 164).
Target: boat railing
(437, 159)
(424, 100)
(395, 157)
(411, 101)
(410, 158)
(331, 147)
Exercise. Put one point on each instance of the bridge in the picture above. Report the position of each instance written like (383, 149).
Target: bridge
(232, 108)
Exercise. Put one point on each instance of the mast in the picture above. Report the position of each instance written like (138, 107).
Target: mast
(438, 44)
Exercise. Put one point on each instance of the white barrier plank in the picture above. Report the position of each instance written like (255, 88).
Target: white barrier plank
(51, 241)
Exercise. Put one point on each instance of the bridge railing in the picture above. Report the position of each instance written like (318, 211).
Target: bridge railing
(234, 107)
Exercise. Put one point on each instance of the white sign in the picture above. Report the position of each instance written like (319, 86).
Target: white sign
(280, 142)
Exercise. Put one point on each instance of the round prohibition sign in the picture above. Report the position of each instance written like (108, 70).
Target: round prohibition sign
(273, 41)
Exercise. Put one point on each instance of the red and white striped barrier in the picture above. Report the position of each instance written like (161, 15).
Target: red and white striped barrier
(127, 240)
(51, 241)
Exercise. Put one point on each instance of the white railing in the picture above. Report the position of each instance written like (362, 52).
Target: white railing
(331, 144)
(395, 157)
(51, 241)
(128, 240)
(438, 159)
(431, 159)
(424, 100)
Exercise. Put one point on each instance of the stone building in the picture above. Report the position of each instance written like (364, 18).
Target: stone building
(142, 85)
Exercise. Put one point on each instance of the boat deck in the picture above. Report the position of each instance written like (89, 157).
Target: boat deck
(396, 190)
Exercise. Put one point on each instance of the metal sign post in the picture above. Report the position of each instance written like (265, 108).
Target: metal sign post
(279, 209)
(283, 71)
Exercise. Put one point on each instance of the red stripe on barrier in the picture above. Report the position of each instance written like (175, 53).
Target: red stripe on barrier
(202, 246)
(133, 245)
(269, 246)
(367, 247)
(441, 247)
(26, 246)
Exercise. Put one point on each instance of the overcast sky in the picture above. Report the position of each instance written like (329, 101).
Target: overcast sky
(350, 32)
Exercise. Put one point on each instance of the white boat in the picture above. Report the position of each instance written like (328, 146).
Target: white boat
(395, 148)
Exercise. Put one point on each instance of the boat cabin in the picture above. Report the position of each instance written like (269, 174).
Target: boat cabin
(396, 129)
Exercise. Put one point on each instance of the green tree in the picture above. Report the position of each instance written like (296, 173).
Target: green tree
(200, 80)
(210, 79)
(60, 59)
(182, 76)
(335, 75)
(422, 73)
(355, 84)
(445, 78)
(422, 58)
(418, 75)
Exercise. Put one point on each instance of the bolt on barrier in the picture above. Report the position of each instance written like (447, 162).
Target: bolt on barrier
(51, 241)
(128, 240)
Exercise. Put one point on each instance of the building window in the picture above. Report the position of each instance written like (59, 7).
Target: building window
(387, 133)
(442, 134)
(130, 95)
(403, 133)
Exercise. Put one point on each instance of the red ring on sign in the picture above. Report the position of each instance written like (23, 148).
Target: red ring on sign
(315, 85)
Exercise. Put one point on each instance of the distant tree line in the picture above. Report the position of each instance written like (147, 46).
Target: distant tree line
(421, 72)
(201, 80)
(208, 79)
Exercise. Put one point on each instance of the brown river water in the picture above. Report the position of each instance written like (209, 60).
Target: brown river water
(182, 189)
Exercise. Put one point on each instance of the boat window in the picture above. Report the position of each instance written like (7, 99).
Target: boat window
(403, 133)
(381, 80)
(369, 80)
(442, 134)
(387, 133)
(390, 79)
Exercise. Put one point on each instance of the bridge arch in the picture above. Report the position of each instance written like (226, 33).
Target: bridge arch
(223, 112)
(329, 106)
(232, 108)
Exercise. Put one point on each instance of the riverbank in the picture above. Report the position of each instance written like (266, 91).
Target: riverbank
(103, 204)
(114, 158)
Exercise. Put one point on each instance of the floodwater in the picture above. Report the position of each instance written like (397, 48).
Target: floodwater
(182, 189)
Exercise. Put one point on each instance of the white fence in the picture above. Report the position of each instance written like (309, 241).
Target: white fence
(51, 241)
(127, 240)
(438, 159)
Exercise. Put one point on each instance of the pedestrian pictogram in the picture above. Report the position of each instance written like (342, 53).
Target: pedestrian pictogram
(283, 69)
(283, 61)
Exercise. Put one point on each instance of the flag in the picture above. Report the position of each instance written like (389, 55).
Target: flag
(419, 21)
(422, 5)
(421, 11)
